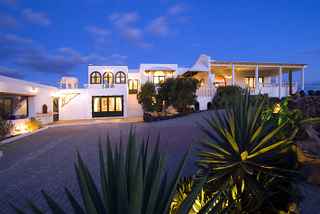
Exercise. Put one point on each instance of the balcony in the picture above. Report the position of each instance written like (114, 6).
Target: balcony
(273, 89)
(204, 91)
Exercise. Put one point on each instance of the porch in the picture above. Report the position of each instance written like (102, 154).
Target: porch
(274, 79)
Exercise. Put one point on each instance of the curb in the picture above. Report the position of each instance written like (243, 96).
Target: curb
(13, 139)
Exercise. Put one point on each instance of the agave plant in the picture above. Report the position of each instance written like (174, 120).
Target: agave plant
(245, 160)
(133, 180)
(184, 189)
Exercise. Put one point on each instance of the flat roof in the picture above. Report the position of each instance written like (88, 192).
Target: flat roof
(214, 62)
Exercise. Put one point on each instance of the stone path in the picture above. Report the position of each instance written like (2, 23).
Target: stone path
(45, 160)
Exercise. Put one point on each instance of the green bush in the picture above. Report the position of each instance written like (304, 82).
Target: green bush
(5, 128)
(178, 92)
(147, 97)
(133, 180)
(226, 96)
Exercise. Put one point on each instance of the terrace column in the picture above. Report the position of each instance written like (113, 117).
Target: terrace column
(302, 78)
(210, 79)
(257, 88)
(280, 82)
(290, 82)
(233, 75)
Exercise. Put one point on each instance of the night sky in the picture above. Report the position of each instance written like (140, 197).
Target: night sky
(41, 40)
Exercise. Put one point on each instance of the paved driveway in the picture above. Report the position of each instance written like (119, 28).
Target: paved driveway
(45, 160)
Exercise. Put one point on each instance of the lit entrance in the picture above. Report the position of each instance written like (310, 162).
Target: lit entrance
(107, 106)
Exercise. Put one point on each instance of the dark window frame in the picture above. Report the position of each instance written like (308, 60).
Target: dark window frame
(106, 77)
(133, 90)
(94, 79)
(158, 77)
(10, 115)
(253, 78)
(107, 113)
(120, 77)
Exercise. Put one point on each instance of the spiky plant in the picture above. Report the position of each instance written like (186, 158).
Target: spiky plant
(244, 159)
(134, 180)
(184, 189)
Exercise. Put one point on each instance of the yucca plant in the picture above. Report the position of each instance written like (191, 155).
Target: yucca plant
(133, 179)
(184, 189)
(246, 161)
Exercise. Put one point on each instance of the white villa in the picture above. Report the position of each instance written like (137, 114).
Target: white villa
(111, 90)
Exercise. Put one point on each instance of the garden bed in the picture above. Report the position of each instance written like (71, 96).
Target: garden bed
(149, 117)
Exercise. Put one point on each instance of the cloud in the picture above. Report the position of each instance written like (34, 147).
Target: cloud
(99, 34)
(113, 59)
(7, 21)
(159, 26)
(27, 54)
(38, 18)
(125, 25)
(10, 72)
(177, 9)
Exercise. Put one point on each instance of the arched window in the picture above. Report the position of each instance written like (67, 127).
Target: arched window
(108, 78)
(95, 77)
(120, 77)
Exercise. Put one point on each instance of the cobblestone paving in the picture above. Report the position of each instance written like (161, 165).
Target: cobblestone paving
(45, 160)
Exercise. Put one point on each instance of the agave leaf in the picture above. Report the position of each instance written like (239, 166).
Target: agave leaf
(273, 146)
(17, 210)
(92, 188)
(188, 202)
(74, 203)
(174, 181)
(82, 181)
(268, 137)
(54, 206)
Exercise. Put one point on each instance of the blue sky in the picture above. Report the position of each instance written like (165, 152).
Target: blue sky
(43, 40)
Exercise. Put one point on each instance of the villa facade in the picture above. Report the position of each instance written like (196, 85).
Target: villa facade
(111, 91)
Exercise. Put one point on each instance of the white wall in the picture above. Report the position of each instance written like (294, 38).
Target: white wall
(80, 107)
(38, 94)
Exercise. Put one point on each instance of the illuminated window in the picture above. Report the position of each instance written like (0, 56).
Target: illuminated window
(120, 77)
(105, 106)
(96, 104)
(95, 78)
(111, 104)
(108, 78)
(251, 81)
(13, 107)
(133, 86)
(158, 77)
(118, 104)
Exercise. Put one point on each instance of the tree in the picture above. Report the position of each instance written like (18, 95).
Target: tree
(178, 92)
(147, 97)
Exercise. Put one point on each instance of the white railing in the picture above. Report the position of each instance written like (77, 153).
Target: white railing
(206, 91)
(273, 89)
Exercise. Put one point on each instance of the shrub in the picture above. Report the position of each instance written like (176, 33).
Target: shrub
(33, 124)
(311, 93)
(225, 96)
(147, 97)
(302, 93)
(133, 180)
(248, 167)
(178, 92)
(5, 128)
(317, 93)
